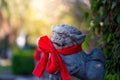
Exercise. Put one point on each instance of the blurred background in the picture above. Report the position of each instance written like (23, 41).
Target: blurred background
(22, 22)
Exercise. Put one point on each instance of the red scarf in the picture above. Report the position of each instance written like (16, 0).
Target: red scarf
(55, 62)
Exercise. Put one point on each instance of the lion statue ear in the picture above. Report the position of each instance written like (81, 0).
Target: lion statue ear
(82, 38)
(79, 39)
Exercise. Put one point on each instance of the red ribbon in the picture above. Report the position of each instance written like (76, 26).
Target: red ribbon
(55, 62)
(37, 54)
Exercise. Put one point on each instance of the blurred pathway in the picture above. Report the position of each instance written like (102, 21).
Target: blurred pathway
(6, 74)
(13, 77)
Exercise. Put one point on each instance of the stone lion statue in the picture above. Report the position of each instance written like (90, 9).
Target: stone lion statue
(80, 64)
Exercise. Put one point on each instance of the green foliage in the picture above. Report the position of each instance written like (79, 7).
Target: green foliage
(22, 61)
(106, 24)
(112, 76)
(85, 44)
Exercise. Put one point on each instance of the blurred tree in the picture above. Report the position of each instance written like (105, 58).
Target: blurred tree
(8, 28)
(4, 29)
(41, 14)
(35, 17)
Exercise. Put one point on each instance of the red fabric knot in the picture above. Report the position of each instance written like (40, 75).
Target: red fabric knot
(55, 62)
